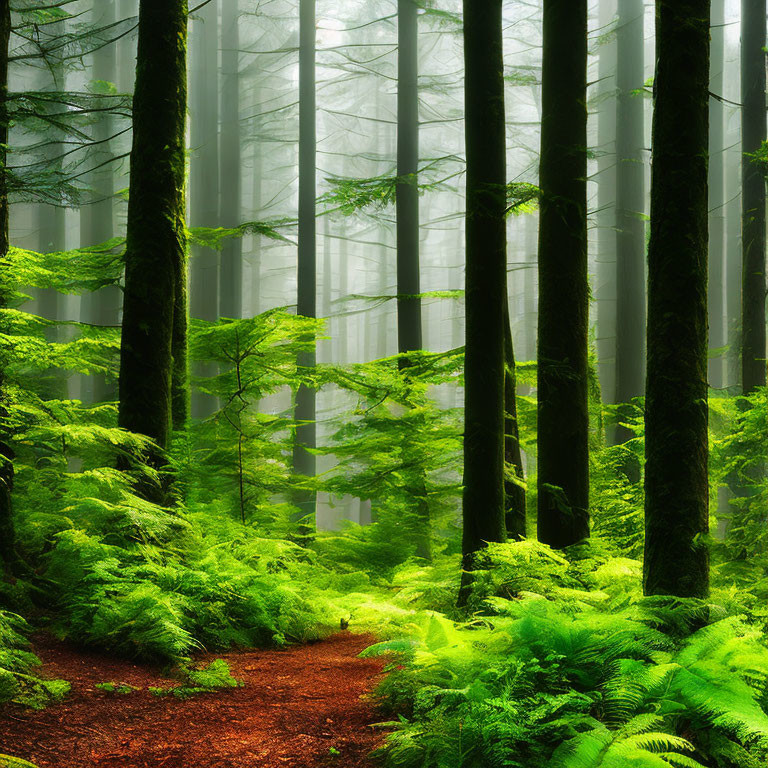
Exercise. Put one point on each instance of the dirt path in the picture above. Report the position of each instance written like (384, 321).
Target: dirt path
(300, 708)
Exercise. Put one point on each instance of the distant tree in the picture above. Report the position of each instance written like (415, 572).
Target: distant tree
(717, 199)
(563, 415)
(8, 557)
(630, 205)
(231, 301)
(305, 408)
(676, 488)
(753, 198)
(153, 355)
(204, 177)
(409, 331)
(514, 491)
(486, 283)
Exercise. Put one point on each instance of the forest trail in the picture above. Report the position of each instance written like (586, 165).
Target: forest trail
(303, 707)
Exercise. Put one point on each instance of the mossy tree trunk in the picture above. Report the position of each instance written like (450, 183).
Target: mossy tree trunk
(676, 504)
(305, 408)
(8, 556)
(753, 234)
(153, 381)
(563, 413)
(486, 282)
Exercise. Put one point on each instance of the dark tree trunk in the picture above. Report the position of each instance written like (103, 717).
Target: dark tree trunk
(8, 556)
(514, 493)
(563, 415)
(156, 244)
(630, 207)
(232, 253)
(753, 134)
(486, 282)
(676, 501)
(204, 179)
(306, 432)
(409, 333)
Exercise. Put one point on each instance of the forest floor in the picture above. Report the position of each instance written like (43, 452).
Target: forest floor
(303, 707)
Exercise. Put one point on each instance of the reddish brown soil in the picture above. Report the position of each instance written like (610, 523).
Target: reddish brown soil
(296, 705)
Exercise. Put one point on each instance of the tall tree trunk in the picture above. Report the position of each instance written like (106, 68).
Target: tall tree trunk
(514, 492)
(8, 557)
(676, 491)
(563, 414)
(409, 332)
(753, 134)
(486, 282)
(630, 206)
(717, 200)
(156, 243)
(102, 307)
(230, 213)
(204, 179)
(306, 431)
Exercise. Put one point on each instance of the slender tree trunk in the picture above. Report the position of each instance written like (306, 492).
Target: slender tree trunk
(753, 134)
(102, 307)
(514, 492)
(630, 207)
(605, 216)
(676, 490)
(230, 214)
(8, 558)
(306, 432)
(204, 179)
(409, 332)
(486, 282)
(156, 243)
(563, 414)
(717, 200)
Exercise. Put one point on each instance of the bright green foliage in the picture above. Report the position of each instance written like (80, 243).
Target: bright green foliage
(397, 449)
(589, 677)
(18, 684)
(203, 680)
(119, 689)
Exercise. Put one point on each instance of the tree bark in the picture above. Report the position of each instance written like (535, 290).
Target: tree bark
(676, 487)
(306, 431)
(486, 283)
(156, 240)
(8, 558)
(409, 332)
(753, 134)
(563, 414)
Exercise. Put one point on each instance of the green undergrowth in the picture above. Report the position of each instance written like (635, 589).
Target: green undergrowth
(562, 663)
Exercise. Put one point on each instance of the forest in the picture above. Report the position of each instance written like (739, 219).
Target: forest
(383, 383)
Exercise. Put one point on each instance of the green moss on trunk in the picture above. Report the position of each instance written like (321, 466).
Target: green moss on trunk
(676, 504)
(156, 241)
